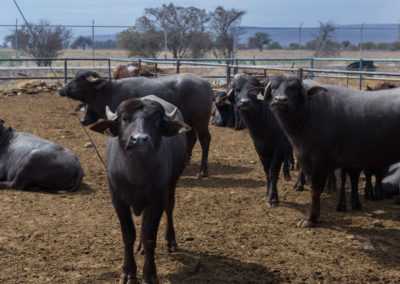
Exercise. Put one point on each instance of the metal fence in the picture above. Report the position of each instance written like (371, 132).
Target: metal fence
(216, 70)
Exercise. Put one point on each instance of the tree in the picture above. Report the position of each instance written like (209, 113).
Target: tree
(324, 37)
(345, 44)
(180, 23)
(142, 44)
(383, 46)
(199, 44)
(259, 40)
(41, 40)
(311, 45)
(81, 42)
(293, 46)
(274, 45)
(224, 24)
(369, 45)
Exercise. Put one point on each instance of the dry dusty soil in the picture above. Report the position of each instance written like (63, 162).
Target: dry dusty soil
(225, 231)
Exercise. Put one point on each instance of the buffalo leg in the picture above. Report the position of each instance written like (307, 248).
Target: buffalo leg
(170, 231)
(128, 274)
(318, 179)
(355, 200)
(301, 180)
(332, 181)
(341, 206)
(191, 139)
(368, 189)
(151, 222)
(205, 139)
(378, 183)
(276, 164)
(286, 168)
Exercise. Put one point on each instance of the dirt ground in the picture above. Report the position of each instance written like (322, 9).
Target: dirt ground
(225, 231)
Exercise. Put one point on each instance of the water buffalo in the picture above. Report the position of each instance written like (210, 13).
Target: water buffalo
(391, 180)
(190, 93)
(270, 142)
(145, 158)
(223, 111)
(28, 162)
(332, 126)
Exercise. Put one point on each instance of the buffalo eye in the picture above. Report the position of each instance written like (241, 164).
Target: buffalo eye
(125, 117)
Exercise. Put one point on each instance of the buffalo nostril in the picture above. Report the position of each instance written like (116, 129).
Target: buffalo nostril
(140, 139)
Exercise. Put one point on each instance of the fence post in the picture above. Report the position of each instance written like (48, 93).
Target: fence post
(65, 71)
(139, 63)
(177, 66)
(228, 76)
(93, 42)
(300, 74)
(360, 69)
(109, 69)
(312, 67)
(16, 42)
(265, 72)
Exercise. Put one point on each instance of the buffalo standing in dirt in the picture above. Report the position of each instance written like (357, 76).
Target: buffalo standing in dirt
(190, 93)
(144, 161)
(28, 162)
(270, 142)
(332, 126)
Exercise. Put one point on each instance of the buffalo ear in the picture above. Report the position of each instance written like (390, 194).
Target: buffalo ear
(316, 89)
(257, 91)
(174, 127)
(100, 83)
(106, 127)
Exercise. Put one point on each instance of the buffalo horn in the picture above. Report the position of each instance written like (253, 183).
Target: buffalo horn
(267, 90)
(172, 114)
(230, 93)
(91, 79)
(111, 115)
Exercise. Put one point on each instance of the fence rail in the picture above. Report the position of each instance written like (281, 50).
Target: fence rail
(230, 64)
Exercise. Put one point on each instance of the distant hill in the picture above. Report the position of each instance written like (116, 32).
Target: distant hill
(285, 36)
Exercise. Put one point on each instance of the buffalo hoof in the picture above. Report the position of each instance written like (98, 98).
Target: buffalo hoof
(273, 203)
(172, 247)
(287, 177)
(305, 224)
(127, 279)
(202, 174)
(298, 187)
(356, 205)
(341, 207)
(153, 280)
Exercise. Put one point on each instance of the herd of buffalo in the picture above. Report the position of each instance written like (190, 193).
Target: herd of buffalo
(154, 123)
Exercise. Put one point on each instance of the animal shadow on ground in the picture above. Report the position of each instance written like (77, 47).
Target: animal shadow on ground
(206, 268)
(216, 168)
(221, 182)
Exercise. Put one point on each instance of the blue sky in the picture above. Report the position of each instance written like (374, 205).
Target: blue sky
(267, 13)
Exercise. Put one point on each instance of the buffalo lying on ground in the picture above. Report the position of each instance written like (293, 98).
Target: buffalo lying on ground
(270, 142)
(190, 93)
(331, 127)
(144, 161)
(28, 162)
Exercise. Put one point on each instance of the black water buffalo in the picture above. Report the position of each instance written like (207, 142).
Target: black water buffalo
(332, 127)
(224, 115)
(190, 93)
(270, 142)
(28, 162)
(145, 158)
